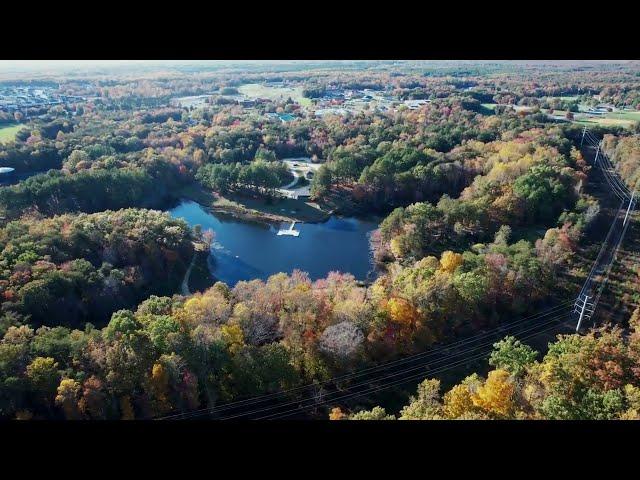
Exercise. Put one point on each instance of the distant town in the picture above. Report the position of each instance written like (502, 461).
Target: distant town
(21, 99)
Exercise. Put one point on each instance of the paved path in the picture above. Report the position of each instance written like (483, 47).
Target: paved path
(295, 180)
(299, 167)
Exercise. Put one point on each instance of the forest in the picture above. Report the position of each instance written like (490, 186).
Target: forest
(486, 216)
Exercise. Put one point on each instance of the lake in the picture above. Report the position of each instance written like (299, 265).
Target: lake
(248, 250)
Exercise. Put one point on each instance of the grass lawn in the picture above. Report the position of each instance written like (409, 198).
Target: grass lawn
(560, 113)
(569, 98)
(633, 116)
(607, 121)
(623, 119)
(8, 133)
(279, 208)
(489, 106)
(258, 90)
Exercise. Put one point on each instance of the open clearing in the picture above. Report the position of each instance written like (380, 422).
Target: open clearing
(258, 209)
(625, 115)
(8, 133)
(620, 118)
(258, 90)
(607, 121)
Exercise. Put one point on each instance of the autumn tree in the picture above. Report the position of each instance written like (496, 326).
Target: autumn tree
(497, 395)
(511, 355)
(67, 398)
(426, 405)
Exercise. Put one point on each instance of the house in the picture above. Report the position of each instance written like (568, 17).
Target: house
(283, 117)
(415, 104)
(286, 117)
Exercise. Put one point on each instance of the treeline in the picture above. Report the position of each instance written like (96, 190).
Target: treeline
(527, 182)
(161, 115)
(581, 377)
(314, 92)
(624, 152)
(437, 154)
(180, 354)
(259, 175)
(103, 187)
(72, 269)
(29, 158)
(177, 354)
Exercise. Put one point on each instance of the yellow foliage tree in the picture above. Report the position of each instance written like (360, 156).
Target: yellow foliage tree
(208, 307)
(160, 387)
(337, 414)
(402, 312)
(496, 396)
(396, 247)
(233, 337)
(632, 397)
(458, 402)
(449, 261)
(126, 408)
(67, 398)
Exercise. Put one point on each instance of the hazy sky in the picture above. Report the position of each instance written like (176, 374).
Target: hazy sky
(74, 64)
(34, 66)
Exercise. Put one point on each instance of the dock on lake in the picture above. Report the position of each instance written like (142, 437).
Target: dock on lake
(289, 231)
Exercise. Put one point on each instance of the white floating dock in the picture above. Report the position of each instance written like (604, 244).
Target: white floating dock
(289, 231)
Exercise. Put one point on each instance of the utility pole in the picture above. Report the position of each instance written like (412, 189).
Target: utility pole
(628, 208)
(584, 130)
(595, 162)
(584, 306)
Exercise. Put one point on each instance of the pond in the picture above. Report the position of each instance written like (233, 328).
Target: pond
(248, 250)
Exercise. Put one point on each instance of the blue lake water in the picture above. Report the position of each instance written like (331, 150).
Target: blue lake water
(247, 250)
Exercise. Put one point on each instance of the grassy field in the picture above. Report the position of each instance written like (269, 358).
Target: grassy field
(258, 90)
(623, 119)
(607, 121)
(633, 116)
(280, 209)
(560, 113)
(8, 133)
(569, 98)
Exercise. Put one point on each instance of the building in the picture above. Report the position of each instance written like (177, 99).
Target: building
(416, 104)
(283, 117)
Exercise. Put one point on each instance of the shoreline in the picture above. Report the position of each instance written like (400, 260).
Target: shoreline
(256, 210)
(239, 207)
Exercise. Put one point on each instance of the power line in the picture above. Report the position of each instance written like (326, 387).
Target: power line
(404, 371)
(621, 191)
(616, 186)
(441, 369)
(385, 365)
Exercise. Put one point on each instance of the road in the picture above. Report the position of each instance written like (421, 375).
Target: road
(298, 167)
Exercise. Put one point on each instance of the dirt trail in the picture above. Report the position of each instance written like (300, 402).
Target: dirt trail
(184, 287)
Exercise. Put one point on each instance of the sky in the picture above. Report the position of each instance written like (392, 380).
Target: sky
(41, 66)
(15, 65)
